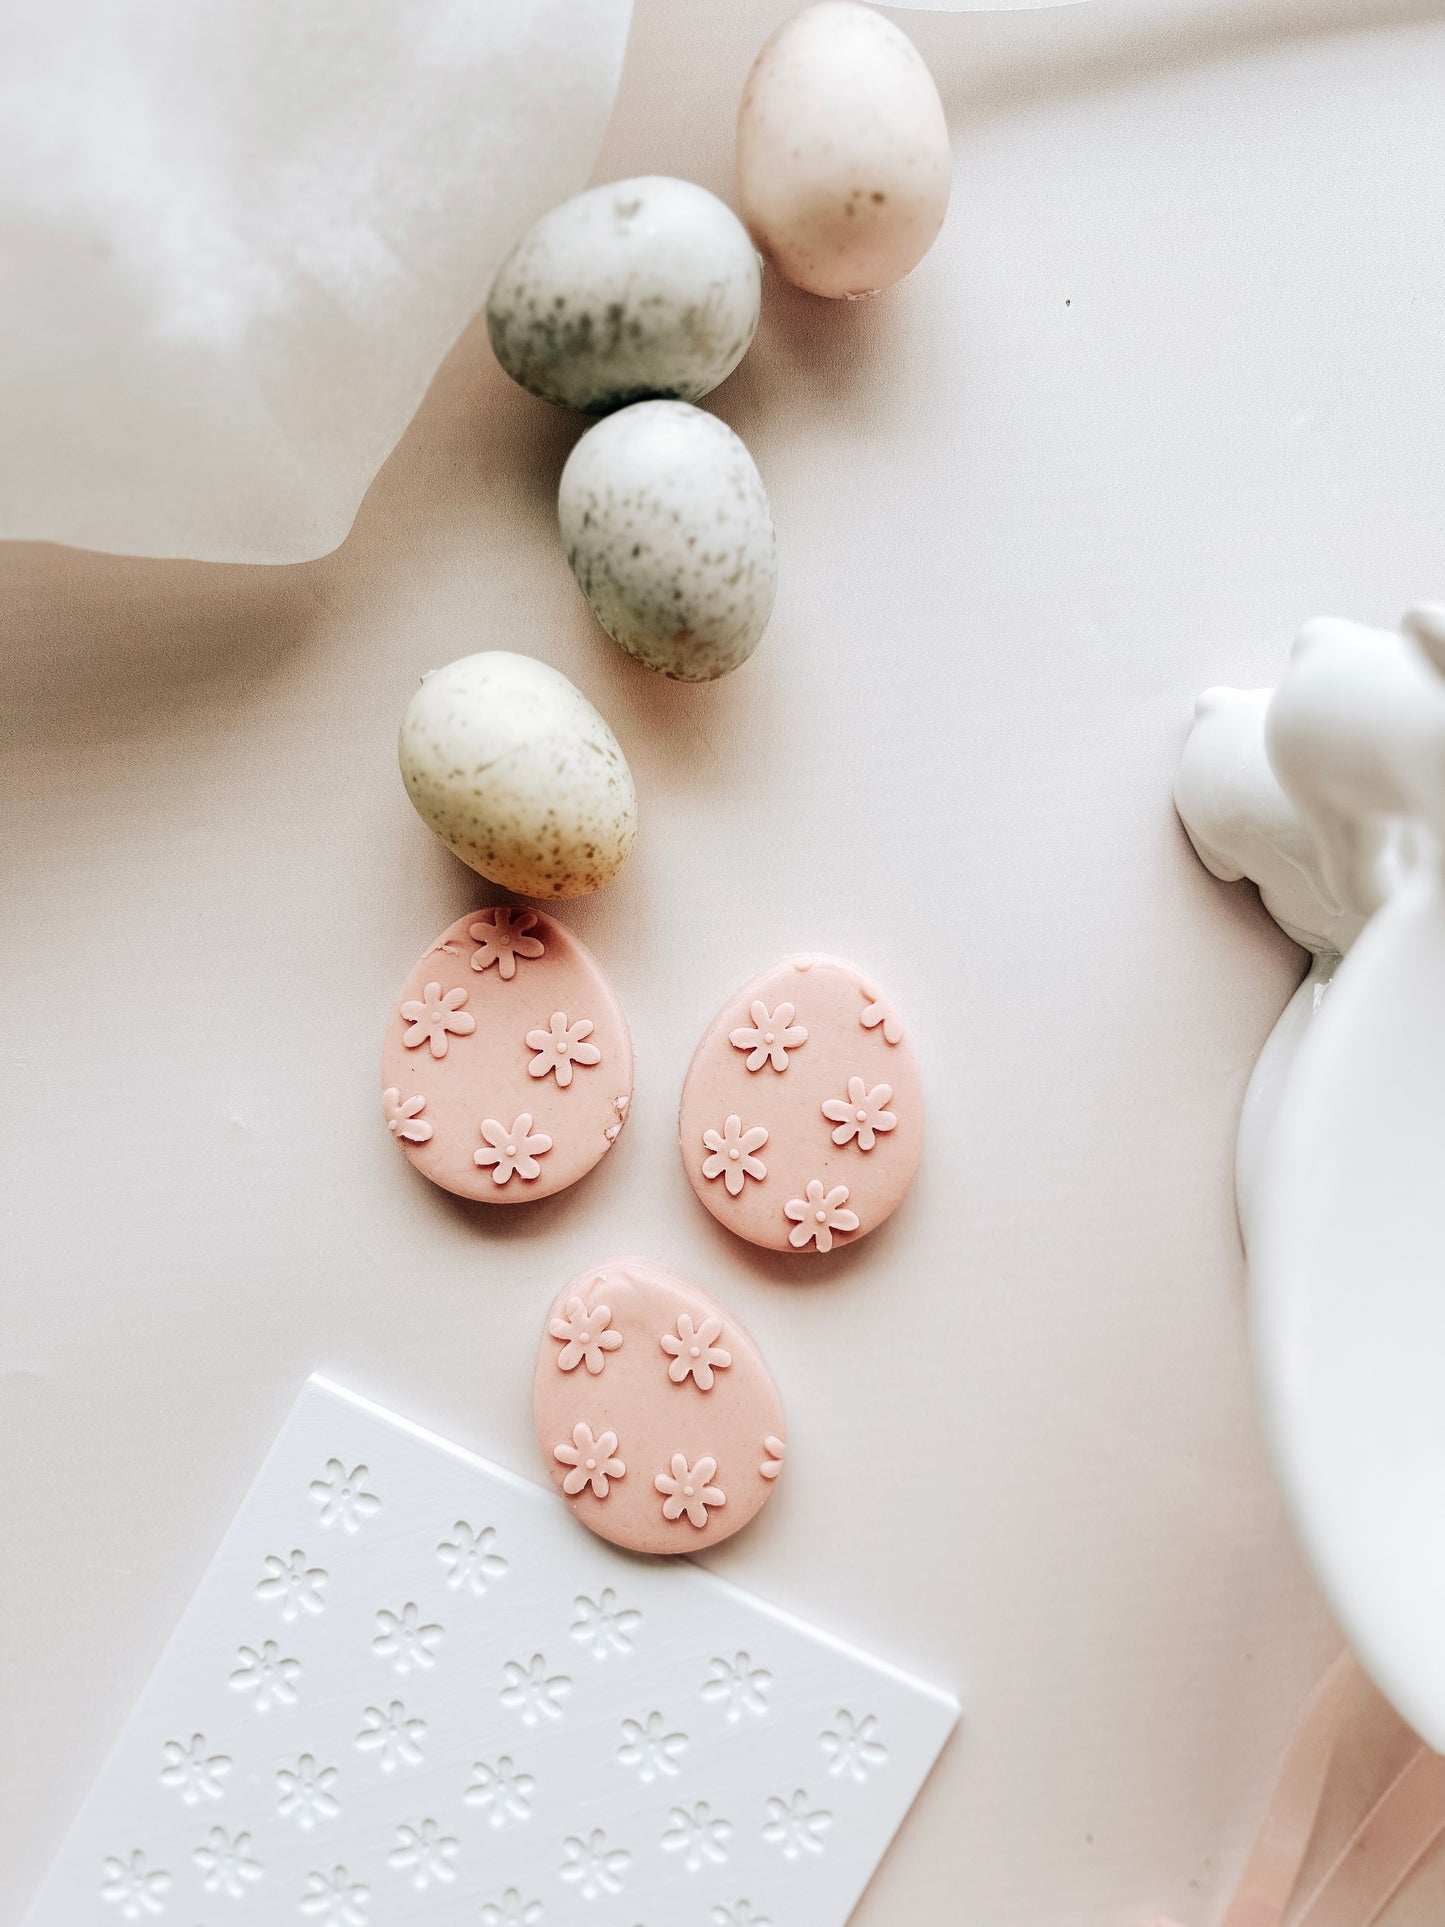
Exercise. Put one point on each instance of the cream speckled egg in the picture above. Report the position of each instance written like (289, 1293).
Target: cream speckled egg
(519, 775)
(844, 164)
(640, 288)
(668, 531)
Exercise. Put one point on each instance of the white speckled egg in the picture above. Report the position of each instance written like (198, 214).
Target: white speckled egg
(519, 775)
(668, 531)
(640, 288)
(844, 164)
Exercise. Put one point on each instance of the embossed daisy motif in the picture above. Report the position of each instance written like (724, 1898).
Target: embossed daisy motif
(267, 1675)
(471, 1558)
(192, 1771)
(862, 1115)
(650, 1750)
(732, 1154)
(504, 1793)
(593, 1462)
(297, 1586)
(695, 1352)
(501, 938)
(740, 1914)
(134, 1886)
(305, 1792)
(425, 1853)
(531, 1691)
(604, 1625)
(561, 1046)
(434, 1017)
(592, 1867)
(342, 1496)
(738, 1686)
(585, 1336)
(853, 1747)
(698, 1835)
(776, 1451)
(794, 1826)
(393, 1734)
(511, 1911)
(878, 1011)
(227, 1866)
(512, 1150)
(404, 1116)
(687, 1491)
(771, 1035)
(405, 1641)
(818, 1215)
(336, 1900)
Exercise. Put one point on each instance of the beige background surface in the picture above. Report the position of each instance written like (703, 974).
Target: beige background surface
(1170, 383)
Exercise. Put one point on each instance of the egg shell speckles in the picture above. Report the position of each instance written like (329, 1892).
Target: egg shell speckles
(517, 971)
(641, 288)
(519, 775)
(801, 1122)
(668, 531)
(657, 1404)
(844, 161)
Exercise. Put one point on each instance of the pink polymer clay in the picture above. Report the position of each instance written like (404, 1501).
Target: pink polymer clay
(657, 1417)
(801, 1123)
(507, 1068)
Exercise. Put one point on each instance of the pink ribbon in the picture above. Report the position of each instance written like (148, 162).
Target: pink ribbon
(1379, 1856)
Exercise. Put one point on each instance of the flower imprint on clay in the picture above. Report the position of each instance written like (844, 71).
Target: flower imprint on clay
(336, 1900)
(733, 1149)
(502, 937)
(298, 1586)
(404, 1116)
(304, 1792)
(771, 1036)
(424, 1852)
(698, 1835)
(688, 1491)
(592, 1866)
(195, 1774)
(862, 1115)
(470, 1559)
(604, 1625)
(593, 1461)
(401, 1638)
(511, 1911)
(853, 1746)
(393, 1734)
(738, 1685)
(650, 1749)
(776, 1451)
(795, 1828)
(877, 1010)
(135, 1886)
(227, 1866)
(433, 1017)
(342, 1497)
(561, 1046)
(695, 1352)
(531, 1691)
(819, 1215)
(512, 1151)
(740, 1914)
(502, 1791)
(584, 1336)
(267, 1675)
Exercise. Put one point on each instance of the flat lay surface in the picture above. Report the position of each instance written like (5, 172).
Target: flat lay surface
(1169, 382)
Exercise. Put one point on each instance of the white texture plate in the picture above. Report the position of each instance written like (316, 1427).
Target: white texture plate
(411, 1688)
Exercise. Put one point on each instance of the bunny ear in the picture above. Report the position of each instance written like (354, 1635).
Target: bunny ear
(1426, 623)
(1348, 1298)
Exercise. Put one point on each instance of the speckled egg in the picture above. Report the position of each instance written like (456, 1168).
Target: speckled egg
(844, 163)
(668, 531)
(519, 775)
(641, 288)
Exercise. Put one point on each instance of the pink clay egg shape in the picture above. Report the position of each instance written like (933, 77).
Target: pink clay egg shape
(843, 156)
(801, 1122)
(657, 1418)
(506, 1073)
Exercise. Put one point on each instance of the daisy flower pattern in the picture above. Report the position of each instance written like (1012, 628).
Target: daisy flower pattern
(296, 1585)
(434, 1017)
(425, 1853)
(305, 1792)
(862, 1114)
(770, 1037)
(741, 1915)
(853, 1747)
(878, 1011)
(404, 1116)
(226, 1865)
(695, 1352)
(470, 1559)
(195, 1774)
(135, 1887)
(505, 1793)
(501, 937)
(401, 1638)
(688, 1491)
(532, 1692)
(393, 1734)
(267, 1675)
(791, 1826)
(738, 1686)
(592, 1867)
(650, 1749)
(733, 1150)
(512, 1152)
(776, 1450)
(343, 1498)
(511, 1911)
(604, 1625)
(697, 1835)
(336, 1900)
(818, 1215)
(593, 1461)
(561, 1046)
(584, 1336)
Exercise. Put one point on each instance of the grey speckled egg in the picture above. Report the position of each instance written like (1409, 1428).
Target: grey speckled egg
(668, 531)
(519, 775)
(640, 288)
